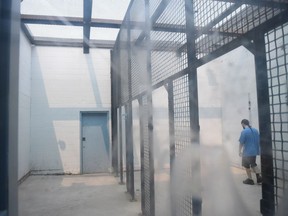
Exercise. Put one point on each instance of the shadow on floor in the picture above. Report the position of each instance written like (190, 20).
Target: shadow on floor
(102, 195)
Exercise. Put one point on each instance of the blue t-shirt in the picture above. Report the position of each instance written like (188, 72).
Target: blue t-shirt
(249, 138)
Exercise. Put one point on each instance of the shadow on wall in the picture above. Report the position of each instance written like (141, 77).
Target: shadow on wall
(61, 88)
(45, 148)
(94, 83)
(62, 145)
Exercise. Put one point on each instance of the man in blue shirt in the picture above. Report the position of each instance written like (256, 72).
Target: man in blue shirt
(249, 148)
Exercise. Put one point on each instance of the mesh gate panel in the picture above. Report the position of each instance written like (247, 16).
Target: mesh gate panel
(166, 58)
(277, 64)
(219, 25)
(123, 55)
(181, 114)
(154, 5)
(207, 11)
(183, 201)
(138, 51)
(146, 157)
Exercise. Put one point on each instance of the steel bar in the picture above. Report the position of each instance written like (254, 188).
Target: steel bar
(267, 202)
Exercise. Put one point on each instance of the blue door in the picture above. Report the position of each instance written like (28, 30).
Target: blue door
(95, 143)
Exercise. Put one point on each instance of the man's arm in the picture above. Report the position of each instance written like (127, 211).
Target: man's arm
(240, 149)
(241, 142)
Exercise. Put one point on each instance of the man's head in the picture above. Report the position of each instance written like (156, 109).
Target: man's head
(244, 123)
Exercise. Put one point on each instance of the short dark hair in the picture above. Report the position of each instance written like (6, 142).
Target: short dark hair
(245, 122)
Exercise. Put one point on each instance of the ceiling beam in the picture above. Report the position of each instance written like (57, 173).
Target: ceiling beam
(158, 12)
(200, 30)
(242, 40)
(98, 23)
(27, 33)
(69, 21)
(87, 14)
(223, 15)
(262, 3)
(206, 30)
(64, 42)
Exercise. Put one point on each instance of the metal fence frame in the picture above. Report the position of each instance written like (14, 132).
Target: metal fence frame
(201, 46)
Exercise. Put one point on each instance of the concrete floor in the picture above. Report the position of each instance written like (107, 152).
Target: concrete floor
(102, 195)
(75, 195)
(250, 195)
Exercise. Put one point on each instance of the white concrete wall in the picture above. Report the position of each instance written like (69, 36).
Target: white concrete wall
(136, 135)
(160, 129)
(225, 86)
(161, 137)
(24, 107)
(64, 82)
(210, 107)
(238, 87)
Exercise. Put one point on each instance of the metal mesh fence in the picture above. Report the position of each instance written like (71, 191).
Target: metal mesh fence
(154, 5)
(182, 139)
(146, 158)
(277, 63)
(166, 60)
(138, 52)
(123, 68)
(220, 22)
(181, 114)
(219, 26)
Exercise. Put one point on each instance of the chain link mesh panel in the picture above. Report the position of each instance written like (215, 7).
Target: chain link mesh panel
(138, 51)
(166, 58)
(277, 64)
(123, 68)
(217, 24)
(154, 5)
(181, 114)
(146, 157)
(182, 138)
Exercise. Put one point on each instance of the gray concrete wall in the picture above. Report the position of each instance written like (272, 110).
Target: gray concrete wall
(225, 87)
(64, 82)
(24, 107)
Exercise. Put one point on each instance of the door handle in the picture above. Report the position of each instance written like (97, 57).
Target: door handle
(83, 138)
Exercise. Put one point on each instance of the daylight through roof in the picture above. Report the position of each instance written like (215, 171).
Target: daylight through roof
(87, 23)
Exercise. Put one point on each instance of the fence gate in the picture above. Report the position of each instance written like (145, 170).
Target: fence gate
(162, 43)
(276, 42)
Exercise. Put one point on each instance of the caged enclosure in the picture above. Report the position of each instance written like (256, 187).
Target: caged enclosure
(164, 46)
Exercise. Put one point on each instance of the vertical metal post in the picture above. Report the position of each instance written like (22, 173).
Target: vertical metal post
(87, 12)
(142, 155)
(193, 94)
(121, 144)
(267, 204)
(9, 76)
(172, 143)
(150, 106)
(193, 85)
(129, 123)
(129, 151)
(114, 119)
(119, 100)
(171, 123)
(4, 89)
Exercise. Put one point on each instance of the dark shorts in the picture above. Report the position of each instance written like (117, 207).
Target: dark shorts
(248, 162)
